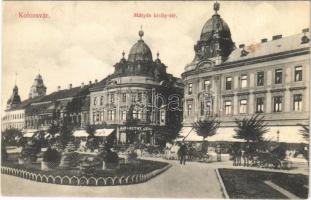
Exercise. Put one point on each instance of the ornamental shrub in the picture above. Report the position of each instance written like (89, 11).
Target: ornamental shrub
(51, 155)
(111, 157)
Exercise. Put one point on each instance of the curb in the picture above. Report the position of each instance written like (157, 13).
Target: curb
(223, 188)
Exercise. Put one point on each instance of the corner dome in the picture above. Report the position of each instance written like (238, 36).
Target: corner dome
(215, 25)
(140, 51)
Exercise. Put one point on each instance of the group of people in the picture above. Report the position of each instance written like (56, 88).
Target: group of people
(180, 151)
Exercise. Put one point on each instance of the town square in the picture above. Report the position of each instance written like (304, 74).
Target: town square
(159, 102)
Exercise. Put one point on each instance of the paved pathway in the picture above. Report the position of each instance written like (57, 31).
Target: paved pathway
(193, 180)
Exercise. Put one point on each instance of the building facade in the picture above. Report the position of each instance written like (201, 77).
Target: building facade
(134, 99)
(228, 82)
(67, 107)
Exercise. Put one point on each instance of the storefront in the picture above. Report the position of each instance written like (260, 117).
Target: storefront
(135, 135)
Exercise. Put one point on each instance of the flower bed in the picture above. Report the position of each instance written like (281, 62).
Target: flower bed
(241, 184)
(126, 174)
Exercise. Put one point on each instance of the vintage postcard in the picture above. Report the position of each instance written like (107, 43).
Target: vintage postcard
(155, 99)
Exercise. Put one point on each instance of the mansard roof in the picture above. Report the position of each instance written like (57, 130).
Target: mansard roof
(275, 46)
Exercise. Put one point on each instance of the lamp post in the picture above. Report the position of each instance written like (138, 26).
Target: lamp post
(278, 136)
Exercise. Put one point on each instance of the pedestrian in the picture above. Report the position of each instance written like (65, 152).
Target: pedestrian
(182, 153)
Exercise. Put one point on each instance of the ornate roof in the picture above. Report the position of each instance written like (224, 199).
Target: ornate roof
(140, 51)
(213, 25)
(15, 98)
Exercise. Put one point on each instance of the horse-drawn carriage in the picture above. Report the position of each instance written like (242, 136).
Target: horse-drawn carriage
(253, 157)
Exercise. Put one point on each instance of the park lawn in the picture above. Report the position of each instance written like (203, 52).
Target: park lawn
(245, 184)
(143, 167)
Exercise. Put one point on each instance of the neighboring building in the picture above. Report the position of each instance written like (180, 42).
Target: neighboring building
(14, 115)
(68, 107)
(270, 77)
(134, 99)
(38, 88)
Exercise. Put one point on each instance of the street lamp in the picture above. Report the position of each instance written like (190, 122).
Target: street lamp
(278, 136)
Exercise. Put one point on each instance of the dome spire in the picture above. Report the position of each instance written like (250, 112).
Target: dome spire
(123, 54)
(141, 32)
(216, 6)
(158, 54)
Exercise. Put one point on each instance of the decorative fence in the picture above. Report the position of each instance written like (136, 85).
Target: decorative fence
(83, 181)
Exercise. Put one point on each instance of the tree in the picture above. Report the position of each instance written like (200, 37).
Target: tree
(251, 129)
(305, 131)
(170, 131)
(207, 127)
(11, 136)
(91, 140)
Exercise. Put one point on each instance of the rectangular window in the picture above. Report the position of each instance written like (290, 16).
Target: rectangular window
(102, 116)
(135, 114)
(190, 88)
(260, 105)
(133, 97)
(124, 97)
(139, 97)
(243, 106)
(140, 114)
(208, 108)
(162, 118)
(189, 109)
(123, 115)
(260, 78)
(244, 81)
(95, 101)
(202, 108)
(228, 83)
(298, 73)
(228, 107)
(297, 102)
(112, 98)
(113, 116)
(278, 76)
(101, 100)
(206, 84)
(277, 104)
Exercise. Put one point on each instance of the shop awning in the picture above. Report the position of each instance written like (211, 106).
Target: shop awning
(222, 134)
(287, 134)
(29, 132)
(103, 132)
(190, 135)
(80, 133)
(225, 134)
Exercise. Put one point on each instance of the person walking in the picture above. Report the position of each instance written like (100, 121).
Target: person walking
(182, 153)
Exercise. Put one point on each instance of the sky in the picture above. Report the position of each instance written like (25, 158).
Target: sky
(81, 41)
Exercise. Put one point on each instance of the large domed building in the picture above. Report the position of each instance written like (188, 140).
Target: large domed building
(227, 82)
(133, 101)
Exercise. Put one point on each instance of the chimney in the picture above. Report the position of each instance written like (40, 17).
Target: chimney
(96, 81)
(241, 46)
(305, 30)
(264, 40)
(70, 86)
(90, 82)
(58, 88)
(82, 85)
(276, 37)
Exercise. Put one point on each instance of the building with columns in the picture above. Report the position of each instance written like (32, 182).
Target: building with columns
(135, 99)
(270, 77)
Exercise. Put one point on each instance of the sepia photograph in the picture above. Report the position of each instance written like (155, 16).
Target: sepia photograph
(155, 99)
